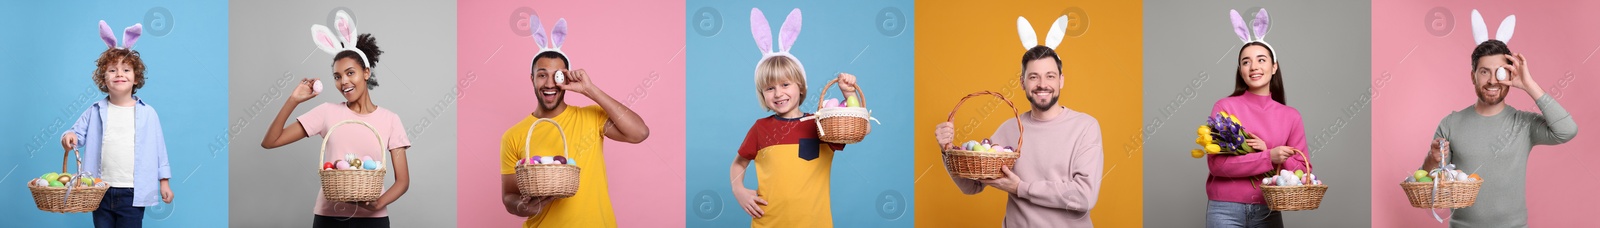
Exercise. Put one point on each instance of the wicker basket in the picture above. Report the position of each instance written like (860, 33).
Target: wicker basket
(1295, 198)
(1442, 194)
(538, 180)
(980, 165)
(842, 125)
(70, 198)
(1445, 195)
(352, 185)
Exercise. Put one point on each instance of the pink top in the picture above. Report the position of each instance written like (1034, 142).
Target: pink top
(1060, 168)
(1234, 177)
(353, 138)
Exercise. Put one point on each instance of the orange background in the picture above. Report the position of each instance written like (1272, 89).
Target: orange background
(964, 48)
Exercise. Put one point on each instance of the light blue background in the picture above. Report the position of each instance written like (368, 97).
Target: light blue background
(47, 53)
(836, 36)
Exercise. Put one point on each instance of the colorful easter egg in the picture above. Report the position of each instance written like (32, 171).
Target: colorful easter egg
(560, 160)
(316, 86)
(41, 182)
(572, 162)
(327, 165)
(54, 183)
(50, 176)
(851, 101)
(1419, 175)
(547, 160)
(341, 165)
(369, 165)
(830, 102)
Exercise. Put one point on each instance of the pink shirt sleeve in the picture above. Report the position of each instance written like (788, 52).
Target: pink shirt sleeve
(314, 122)
(1297, 139)
(397, 135)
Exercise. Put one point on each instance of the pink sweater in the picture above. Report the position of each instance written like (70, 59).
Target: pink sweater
(1060, 168)
(1233, 176)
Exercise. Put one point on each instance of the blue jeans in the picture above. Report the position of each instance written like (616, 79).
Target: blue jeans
(1230, 214)
(117, 210)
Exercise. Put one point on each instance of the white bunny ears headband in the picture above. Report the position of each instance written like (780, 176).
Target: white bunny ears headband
(762, 31)
(1052, 38)
(129, 35)
(1259, 25)
(549, 42)
(1030, 39)
(1480, 32)
(346, 40)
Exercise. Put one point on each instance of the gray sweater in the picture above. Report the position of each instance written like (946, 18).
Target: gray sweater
(1496, 148)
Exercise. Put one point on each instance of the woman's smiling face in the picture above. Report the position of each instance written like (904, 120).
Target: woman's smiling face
(351, 78)
(1256, 66)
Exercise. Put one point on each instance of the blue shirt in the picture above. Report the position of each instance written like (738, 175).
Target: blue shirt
(149, 148)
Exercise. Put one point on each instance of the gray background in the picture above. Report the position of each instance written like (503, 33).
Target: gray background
(1189, 64)
(271, 49)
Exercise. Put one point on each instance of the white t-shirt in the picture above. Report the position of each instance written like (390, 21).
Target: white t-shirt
(116, 150)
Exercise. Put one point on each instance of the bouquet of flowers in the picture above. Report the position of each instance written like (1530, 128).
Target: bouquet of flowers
(1222, 134)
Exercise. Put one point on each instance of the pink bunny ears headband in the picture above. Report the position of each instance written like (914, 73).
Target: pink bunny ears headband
(346, 40)
(1259, 25)
(762, 31)
(550, 42)
(1030, 39)
(129, 36)
(1480, 32)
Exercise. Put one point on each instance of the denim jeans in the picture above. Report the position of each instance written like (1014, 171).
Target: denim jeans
(117, 210)
(1221, 214)
(319, 221)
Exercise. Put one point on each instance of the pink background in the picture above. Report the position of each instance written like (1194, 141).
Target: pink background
(1427, 78)
(620, 44)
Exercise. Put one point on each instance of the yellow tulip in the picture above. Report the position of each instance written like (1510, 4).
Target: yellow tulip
(1206, 139)
(1204, 130)
(1213, 148)
(1198, 140)
(1196, 153)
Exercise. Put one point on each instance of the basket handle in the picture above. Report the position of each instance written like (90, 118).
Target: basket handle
(1302, 156)
(952, 117)
(823, 97)
(527, 139)
(323, 153)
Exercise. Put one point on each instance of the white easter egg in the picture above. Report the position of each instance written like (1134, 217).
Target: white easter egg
(1500, 74)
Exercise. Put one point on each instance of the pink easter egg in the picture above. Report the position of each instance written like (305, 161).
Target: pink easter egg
(316, 86)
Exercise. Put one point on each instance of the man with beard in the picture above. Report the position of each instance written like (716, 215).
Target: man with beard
(1493, 139)
(1057, 181)
(578, 136)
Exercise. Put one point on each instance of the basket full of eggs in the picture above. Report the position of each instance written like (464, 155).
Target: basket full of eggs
(1442, 188)
(1293, 191)
(842, 122)
(980, 160)
(67, 193)
(351, 179)
(539, 176)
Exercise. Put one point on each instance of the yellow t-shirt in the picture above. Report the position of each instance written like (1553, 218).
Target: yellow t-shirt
(793, 171)
(585, 129)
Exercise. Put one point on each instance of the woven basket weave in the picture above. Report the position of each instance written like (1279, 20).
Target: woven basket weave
(352, 185)
(980, 165)
(842, 125)
(1295, 198)
(557, 180)
(71, 198)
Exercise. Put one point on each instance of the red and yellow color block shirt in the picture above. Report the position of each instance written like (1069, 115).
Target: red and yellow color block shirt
(793, 169)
